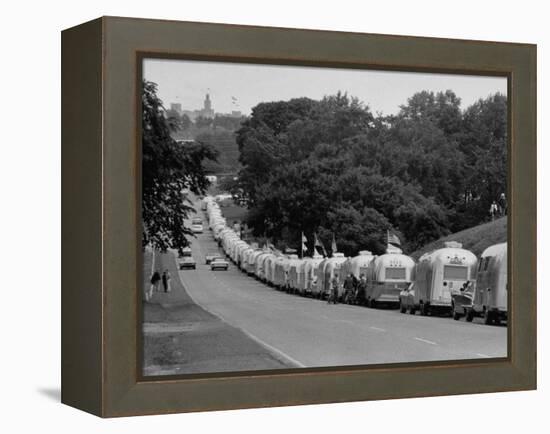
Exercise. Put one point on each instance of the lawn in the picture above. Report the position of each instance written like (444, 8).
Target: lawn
(475, 239)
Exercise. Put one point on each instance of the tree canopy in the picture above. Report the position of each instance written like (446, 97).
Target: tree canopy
(332, 167)
(168, 169)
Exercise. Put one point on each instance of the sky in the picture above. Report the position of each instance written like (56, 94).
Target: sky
(239, 86)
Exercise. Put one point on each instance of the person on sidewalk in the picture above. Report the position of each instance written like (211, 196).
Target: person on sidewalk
(155, 282)
(166, 281)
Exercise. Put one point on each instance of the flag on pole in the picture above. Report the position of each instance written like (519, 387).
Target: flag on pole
(393, 240)
(318, 243)
(304, 244)
(334, 247)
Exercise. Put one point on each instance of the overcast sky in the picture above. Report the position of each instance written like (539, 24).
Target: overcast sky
(238, 86)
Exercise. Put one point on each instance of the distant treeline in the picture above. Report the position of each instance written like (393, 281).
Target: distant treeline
(334, 167)
(217, 132)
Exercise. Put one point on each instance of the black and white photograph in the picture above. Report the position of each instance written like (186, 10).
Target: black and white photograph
(299, 217)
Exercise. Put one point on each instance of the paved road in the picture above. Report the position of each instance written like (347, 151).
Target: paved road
(179, 337)
(311, 333)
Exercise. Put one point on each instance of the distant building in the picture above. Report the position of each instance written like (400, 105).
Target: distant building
(176, 107)
(206, 111)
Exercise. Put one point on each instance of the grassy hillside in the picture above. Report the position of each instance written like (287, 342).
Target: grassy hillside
(475, 239)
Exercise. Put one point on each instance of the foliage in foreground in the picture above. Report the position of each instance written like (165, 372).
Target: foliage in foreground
(168, 169)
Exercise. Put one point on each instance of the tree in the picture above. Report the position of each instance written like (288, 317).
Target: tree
(331, 167)
(168, 169)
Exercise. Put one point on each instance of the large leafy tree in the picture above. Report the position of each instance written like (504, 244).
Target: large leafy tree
(168, 169)
(333, 168)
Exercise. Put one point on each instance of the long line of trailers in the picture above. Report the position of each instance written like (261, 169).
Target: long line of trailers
(443, 281)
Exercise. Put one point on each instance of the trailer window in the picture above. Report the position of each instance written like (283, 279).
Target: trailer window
(455, 272)
(396, 273)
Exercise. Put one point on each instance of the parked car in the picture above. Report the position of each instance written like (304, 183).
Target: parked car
(187, 262)
(210, 257)
(186, 251)
(196, 225)
(219, 264)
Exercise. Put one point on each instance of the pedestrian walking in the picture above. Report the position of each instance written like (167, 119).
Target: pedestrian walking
(502, 205)
(361, 293)
(166, 281)
(493, 210)
(333, 296)
(155, 282)
(349, 288)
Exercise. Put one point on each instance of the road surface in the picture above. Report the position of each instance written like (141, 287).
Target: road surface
(310, 333)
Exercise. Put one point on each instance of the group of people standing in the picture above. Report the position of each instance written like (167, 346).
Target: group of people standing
(156, 280)
(355, 289)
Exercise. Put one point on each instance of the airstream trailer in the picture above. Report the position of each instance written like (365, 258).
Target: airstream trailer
(259, 270)
(301, 276)
(325, 272)
(439, 276)
(294, 263)
(250, 266)
(356, 266)
(491, 291)
(387, 276)
(280, 272)
(239, 251)
(228, 241)
(269, 269)
(309, 279)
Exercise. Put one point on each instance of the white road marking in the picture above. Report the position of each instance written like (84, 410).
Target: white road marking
(425, 341)
(378, 328)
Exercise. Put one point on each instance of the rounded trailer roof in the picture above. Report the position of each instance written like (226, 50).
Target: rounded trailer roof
(389, 258)
(496, 250)
(450, 253)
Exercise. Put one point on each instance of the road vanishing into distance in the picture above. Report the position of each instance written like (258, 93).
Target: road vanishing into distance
(306, 332)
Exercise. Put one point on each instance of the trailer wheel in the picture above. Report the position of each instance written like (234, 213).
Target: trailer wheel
(424, 309)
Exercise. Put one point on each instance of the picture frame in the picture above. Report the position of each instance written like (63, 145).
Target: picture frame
(101, 228)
